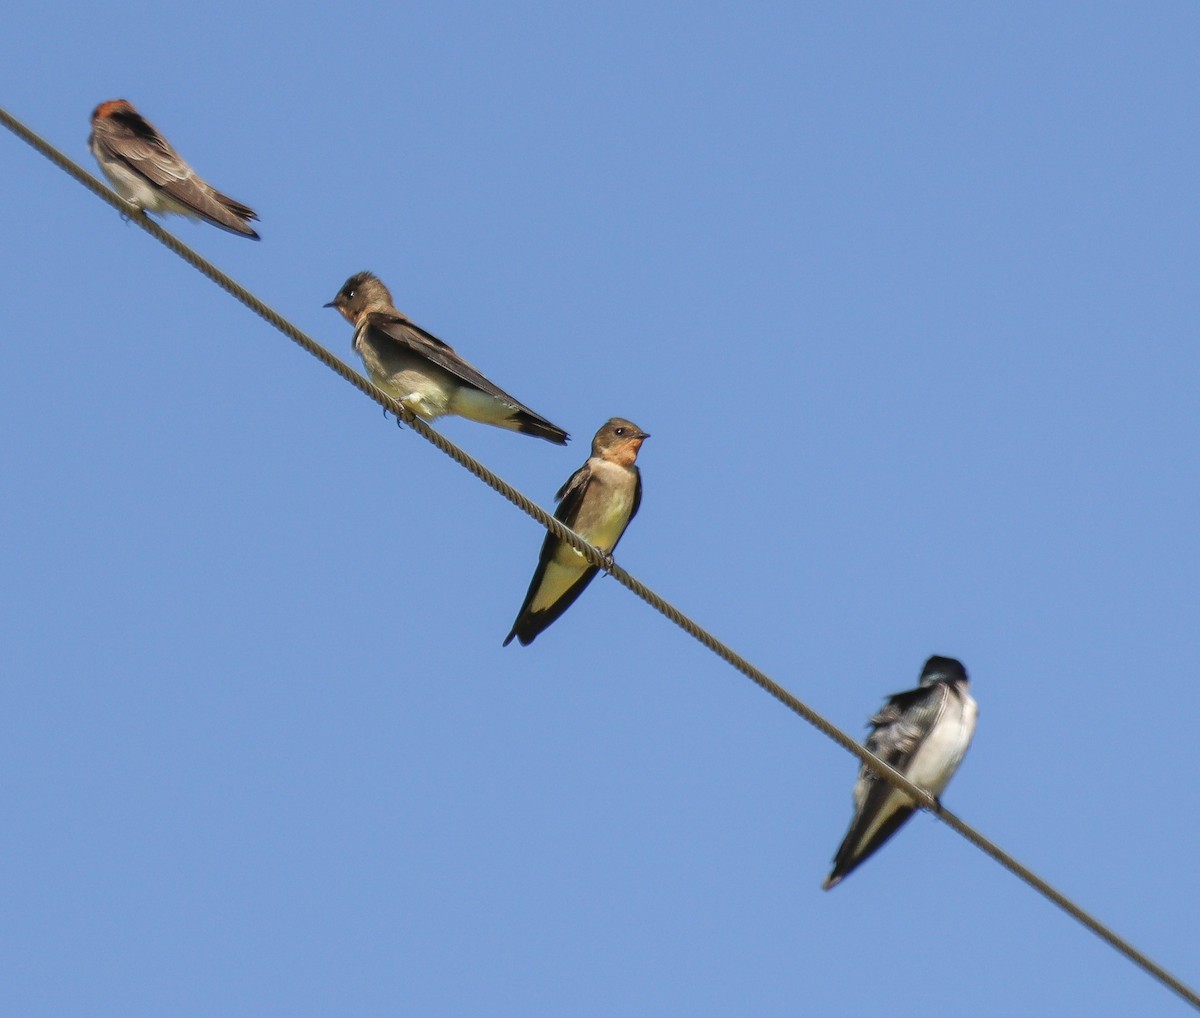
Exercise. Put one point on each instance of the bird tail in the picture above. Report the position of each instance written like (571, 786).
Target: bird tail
(529, 423)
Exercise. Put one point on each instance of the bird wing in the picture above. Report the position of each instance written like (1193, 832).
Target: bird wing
(529, 622)
(149, 154)
(904, 721)
(402, 330)
(637, 501)
(879, 809)
(898, 730)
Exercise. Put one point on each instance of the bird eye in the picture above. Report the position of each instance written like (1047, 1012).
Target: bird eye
(620, 431)
(349, 295)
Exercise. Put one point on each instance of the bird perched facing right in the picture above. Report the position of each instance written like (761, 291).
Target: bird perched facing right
(923, 733)
(597, 502)
(419, 370)
(147, 172)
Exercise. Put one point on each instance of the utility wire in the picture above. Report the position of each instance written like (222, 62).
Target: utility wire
(920, 796)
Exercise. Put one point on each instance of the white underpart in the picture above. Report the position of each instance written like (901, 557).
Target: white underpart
(137, 190)
(939, 755)
(601, 527)
(936, 759)
(425, 390)
(479, 406)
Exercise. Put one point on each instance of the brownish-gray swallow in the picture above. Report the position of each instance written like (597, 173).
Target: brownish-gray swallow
(923, 733)
(417, 369)
(597, 502)
(147, 172)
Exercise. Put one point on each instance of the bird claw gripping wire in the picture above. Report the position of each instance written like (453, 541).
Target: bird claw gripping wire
(404, 417)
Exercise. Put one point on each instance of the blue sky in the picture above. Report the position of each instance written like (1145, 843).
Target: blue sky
(905, 294)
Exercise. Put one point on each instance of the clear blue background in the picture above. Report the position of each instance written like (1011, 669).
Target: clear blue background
(906, 295)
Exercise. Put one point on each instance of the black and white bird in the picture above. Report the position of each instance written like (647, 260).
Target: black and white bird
(923, 733)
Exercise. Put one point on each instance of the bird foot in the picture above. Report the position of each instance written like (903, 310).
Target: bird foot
(404, 416)
(133, 212)
(412, 407)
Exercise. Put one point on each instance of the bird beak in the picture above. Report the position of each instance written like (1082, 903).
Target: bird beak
(331, 304)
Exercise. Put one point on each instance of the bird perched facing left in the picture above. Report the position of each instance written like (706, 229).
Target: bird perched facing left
(417, 369)
(923, 733)
(147, 172)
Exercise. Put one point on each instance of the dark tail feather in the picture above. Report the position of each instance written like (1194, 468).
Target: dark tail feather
(531, 424)
(525, 638)
(240, 216)
(850, 855)
(530, 625)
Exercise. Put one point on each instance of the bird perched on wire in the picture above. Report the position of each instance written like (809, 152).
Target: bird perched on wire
(597, 502)
(418, 370)
(923, 733)
(147, 172)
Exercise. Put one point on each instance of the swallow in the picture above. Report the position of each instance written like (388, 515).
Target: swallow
(147, 172)
(597, 502)
(417, 369)
(923, 733)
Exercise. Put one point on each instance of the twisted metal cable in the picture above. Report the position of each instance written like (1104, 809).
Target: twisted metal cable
(920, 796)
